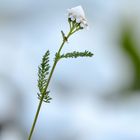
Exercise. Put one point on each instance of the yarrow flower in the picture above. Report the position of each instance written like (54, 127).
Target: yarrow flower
(77, 21)
(77, 14)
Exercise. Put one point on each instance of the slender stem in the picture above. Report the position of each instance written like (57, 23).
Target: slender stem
(49, 78)
(35, 119)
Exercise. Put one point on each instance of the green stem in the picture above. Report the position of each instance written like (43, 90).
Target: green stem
(49, 78)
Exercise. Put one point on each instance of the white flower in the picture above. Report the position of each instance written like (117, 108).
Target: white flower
(77, 14)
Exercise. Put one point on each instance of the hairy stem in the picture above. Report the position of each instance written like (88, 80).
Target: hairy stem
(49, 78)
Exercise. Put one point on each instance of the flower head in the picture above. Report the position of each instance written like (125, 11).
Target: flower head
(77, 14)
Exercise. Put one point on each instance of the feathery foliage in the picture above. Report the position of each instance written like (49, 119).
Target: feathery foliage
(43, 71)
(77, 54)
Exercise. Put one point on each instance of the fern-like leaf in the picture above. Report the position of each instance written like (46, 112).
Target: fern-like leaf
(46, 98)
(43, 71)
(77, 54)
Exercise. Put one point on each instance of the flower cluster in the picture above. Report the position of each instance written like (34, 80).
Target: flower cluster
(77, 15)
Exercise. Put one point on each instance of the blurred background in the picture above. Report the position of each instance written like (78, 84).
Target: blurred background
(93, 99)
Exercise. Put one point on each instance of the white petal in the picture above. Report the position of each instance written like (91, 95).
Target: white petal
(82, 25)
(84, 22)
(78, 20)
(78, 11)
(72, 18)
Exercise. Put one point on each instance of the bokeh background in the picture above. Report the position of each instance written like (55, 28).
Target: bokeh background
(93, 99)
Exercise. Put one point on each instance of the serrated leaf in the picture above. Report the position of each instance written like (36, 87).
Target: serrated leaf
(43, 71)
(77, 54)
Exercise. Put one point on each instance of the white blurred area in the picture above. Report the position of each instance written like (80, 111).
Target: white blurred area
(87, 102)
